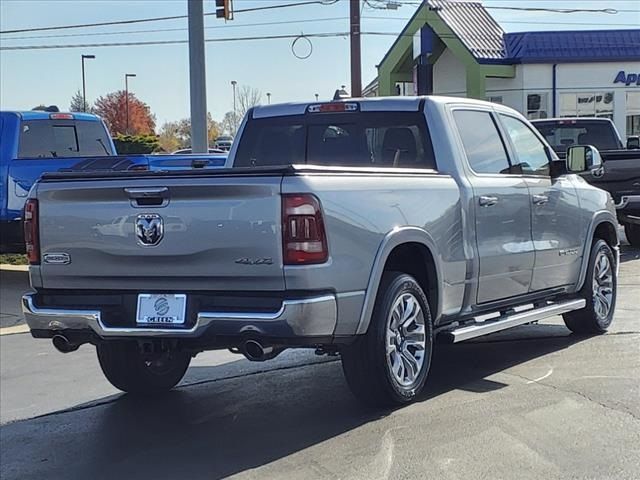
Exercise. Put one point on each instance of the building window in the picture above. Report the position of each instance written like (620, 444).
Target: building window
(633, 113)
(587, 104)
(404, 89)
(495, 99)
(537, 106)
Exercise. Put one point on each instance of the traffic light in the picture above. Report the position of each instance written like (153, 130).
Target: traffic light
(224, 9)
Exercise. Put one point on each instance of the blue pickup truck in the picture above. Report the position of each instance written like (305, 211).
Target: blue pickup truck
(35, 142)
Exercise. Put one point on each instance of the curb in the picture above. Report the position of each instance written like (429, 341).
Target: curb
(14, 268)
(23, 328)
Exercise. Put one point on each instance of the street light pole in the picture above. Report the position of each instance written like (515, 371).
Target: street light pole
(126, 98)
(84, 86)
(235, 115)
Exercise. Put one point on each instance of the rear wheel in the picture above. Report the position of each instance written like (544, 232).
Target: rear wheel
(389, 364)
(632, 232)
(130, 370)
(599, 290)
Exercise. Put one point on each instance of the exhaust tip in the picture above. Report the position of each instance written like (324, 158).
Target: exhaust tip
(62, 344)
(253, 350)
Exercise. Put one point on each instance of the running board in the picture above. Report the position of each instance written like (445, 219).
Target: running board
(512, 320)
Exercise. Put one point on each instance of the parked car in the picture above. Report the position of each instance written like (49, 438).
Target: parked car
(620, 174)
(35, 142)
(224, 142)
(362, 227)
(187, 151)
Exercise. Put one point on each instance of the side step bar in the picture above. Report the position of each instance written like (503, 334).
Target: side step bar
(512, 320)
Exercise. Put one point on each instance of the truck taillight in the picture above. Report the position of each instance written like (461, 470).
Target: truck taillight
(31, 231)
(304, 239)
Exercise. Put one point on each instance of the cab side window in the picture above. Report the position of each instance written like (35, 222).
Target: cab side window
(532, 155)
(482, 142)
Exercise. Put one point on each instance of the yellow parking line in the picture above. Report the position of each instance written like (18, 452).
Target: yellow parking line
(15, 329)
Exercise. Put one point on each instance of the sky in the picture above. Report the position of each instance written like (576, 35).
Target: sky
(51, 76)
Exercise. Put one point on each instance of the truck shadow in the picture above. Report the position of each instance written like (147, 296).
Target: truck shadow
(227, 426)
(629, 253)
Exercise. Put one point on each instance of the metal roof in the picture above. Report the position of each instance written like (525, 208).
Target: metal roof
(572, 46)
(473, 25)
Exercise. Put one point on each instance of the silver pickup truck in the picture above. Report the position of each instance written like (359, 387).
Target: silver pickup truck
(367, 228)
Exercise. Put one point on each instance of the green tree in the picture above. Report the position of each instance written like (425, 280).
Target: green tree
(77, 103)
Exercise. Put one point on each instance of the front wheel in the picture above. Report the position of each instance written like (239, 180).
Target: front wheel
(632, 232)
(389, 364)
(599, 290)
(129, 369)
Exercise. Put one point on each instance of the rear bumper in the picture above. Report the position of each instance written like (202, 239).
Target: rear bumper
(299, 318)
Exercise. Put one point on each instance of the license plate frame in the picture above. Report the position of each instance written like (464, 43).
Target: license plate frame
(161, 309)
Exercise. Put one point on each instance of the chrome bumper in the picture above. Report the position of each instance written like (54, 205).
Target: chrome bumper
(308, 317)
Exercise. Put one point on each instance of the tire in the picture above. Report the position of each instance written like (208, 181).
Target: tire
(599, 290)
(632, 232)
(129, 370)
(370, 362)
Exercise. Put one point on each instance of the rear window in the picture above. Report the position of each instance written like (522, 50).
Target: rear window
(63, 138)
(361, 139)
(562, 136)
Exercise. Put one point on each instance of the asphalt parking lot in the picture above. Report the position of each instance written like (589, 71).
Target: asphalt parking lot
(533, 402)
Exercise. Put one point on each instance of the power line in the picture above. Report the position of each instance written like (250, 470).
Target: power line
(160, 19)
(239, 39)
(610, 11)
(173, 42)
(404, 19)
(181, 29)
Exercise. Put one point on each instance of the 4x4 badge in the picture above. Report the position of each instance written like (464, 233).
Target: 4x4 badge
(149, 229)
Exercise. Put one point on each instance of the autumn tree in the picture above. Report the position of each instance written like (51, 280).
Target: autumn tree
(113, 110)
(77, 103)
(177, 135)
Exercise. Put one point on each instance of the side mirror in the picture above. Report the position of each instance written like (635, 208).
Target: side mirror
(583, 158)
(633, 143)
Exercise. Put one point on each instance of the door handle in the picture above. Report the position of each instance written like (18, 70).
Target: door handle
(487, 201)
(540, 199)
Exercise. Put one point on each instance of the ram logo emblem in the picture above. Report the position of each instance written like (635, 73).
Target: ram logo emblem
(149, 229)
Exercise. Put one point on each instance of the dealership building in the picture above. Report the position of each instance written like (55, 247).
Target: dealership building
(456, 48)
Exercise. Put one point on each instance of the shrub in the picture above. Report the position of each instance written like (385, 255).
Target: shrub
(130, 144)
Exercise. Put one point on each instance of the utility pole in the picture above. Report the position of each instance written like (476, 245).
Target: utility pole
(84, 86)
(356, 62)
(126, 99)
(197, 77)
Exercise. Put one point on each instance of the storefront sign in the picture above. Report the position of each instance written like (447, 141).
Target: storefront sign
(627, 78)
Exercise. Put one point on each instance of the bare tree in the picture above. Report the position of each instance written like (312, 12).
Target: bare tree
(247, 98)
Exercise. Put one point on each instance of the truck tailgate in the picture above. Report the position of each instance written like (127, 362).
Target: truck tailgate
(218, 233)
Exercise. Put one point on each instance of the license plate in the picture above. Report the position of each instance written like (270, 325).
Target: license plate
(161, 309)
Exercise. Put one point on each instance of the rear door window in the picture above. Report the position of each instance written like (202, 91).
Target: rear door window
(363, 139)
(63, 138)
(482, 142)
